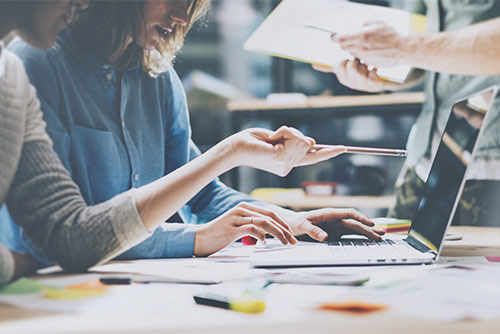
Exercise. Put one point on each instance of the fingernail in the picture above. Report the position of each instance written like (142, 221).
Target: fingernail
(322, 235)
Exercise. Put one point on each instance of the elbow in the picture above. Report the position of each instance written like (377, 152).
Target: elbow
(76, 265)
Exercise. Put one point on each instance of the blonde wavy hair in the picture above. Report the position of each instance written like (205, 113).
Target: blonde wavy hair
(103, 28)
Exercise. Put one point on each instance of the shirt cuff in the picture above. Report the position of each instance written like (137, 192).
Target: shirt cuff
(127, 222)
(168, 241)
(180, 240)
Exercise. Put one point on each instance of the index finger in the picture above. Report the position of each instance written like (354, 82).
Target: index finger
(333, 214)
(355, 226)
(321, 154)
(265, 212)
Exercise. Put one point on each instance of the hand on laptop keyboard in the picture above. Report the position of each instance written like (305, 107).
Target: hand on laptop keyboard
(331, 224)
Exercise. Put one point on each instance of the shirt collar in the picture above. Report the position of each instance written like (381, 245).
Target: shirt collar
(94, 63)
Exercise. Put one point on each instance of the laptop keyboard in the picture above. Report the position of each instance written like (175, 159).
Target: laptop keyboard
(381, 250)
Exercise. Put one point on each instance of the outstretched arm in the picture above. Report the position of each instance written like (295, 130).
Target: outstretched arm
(473, 50)
(45, 201)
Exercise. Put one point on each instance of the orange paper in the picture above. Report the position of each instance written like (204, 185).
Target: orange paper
(355, 307)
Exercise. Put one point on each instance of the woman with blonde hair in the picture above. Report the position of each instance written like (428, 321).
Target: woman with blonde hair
(117, 115)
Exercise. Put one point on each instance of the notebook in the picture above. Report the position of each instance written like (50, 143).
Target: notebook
(434, 213)
(285, 34)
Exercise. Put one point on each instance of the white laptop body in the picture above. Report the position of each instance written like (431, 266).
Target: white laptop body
(434, 214)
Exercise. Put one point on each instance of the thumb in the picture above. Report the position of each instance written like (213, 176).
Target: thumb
(321, 68)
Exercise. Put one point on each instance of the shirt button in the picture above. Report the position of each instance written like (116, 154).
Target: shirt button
(123, 125)
(109, 76)
(136, 177)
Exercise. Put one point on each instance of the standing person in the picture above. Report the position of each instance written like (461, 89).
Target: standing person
(48, 205)
(460, 53)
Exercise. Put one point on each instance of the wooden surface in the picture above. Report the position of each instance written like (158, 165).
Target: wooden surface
(476, 241)
(330, 102)
(336, 201)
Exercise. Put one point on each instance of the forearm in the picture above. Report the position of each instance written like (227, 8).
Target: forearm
(473, 50)
(48, 205)
(161, 199)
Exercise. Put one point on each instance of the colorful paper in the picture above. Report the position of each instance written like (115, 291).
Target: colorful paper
(356, 307)
(22, 286)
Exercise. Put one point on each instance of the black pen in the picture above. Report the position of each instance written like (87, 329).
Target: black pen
(245, 305)
(116, 280)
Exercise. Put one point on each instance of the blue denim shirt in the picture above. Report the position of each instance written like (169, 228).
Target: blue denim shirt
(111, 140)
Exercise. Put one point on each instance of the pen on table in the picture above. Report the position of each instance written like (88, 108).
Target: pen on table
(367, 150)
(245, 305)
(130, 280)
(319, 28)
(116, 280)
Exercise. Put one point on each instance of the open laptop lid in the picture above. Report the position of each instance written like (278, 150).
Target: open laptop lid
(444, 185)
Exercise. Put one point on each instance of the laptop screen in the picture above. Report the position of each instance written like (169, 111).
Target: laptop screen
(448, 169)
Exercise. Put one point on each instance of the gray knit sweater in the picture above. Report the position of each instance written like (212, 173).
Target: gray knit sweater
(40, 193)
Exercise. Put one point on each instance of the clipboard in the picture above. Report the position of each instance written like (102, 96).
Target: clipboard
(284, 33)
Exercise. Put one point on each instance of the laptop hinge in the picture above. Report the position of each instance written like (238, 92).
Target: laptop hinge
(419, 246)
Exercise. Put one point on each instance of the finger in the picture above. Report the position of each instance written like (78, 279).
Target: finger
(311, 140)
(322, 154)
(322, 68)
(340, 69)
(325, 215)
(356, 215)
(280, 133)
(362, 69)
(315, 232)
(268, 216)
(352, 66)
(359, 228)
(269, 213)
(252, 230)
(372, 75)
(266, 225)
(271, 229)
(286, 132)
(346, 38)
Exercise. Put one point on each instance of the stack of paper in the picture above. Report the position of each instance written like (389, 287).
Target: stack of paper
(285, 33)
(392, 225)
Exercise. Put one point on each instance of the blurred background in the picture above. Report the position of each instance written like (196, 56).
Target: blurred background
(216, 70)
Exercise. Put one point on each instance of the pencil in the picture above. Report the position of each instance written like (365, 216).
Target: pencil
(319, 28)
(367, 150)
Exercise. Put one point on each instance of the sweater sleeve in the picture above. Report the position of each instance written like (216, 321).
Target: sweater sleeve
(46, 202)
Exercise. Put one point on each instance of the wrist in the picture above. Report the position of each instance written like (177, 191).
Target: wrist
(226, 154)
(200, 238)
(412, 48)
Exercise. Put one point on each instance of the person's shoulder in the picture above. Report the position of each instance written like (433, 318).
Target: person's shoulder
(168, 74)
(170, 79)
(12, 71)
(25, 51)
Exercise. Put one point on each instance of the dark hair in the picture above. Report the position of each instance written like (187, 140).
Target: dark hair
(105, 26)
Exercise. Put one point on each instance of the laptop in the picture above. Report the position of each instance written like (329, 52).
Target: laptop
(434, 213)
